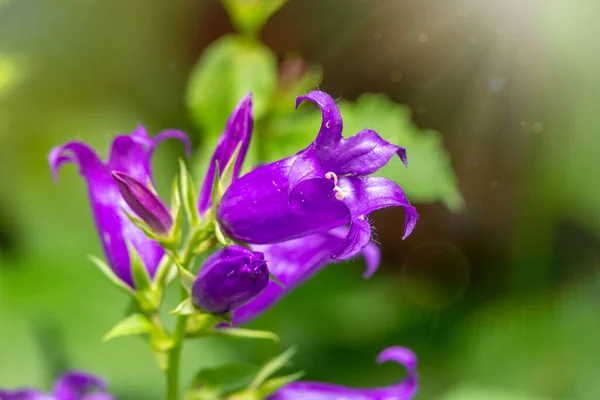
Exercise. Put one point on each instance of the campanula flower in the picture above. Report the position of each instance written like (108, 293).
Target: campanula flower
(73, 385)
(230, 278)
(144, 203)
(130, 154)
(238, 132)
(295, 261)
(404, 390)
(322, 187)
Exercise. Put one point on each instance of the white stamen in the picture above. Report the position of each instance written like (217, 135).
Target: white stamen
(339, 193)
(332, 176)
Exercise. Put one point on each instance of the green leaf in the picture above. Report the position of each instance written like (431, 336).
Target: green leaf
(215, 383)
(228, 69)
(108, 272)
(249, 16)
(271, 367)
(135, 324)
(274, 384)
(247, 334)
(190, 199)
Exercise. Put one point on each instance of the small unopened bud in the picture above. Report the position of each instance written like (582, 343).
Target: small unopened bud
(230, 278)
(144, 203)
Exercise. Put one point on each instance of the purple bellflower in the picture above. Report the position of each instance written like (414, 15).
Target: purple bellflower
(144, 203)
(404, 390)
(229, 278)
(130, 154)
(325, 186)
(73, 385)
(295, 261)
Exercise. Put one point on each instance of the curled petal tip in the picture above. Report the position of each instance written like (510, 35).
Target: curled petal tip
(402, 154)
(175, 134)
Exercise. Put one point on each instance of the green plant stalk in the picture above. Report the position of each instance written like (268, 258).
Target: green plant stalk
(174, 355)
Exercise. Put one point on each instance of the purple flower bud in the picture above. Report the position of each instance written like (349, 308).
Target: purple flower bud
(144, 203)
(230, 278)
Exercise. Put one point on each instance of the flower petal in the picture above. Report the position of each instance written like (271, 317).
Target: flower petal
(358, 237)
(295, 261)
(24, 394)
(75, 385)
(404, 390)
(306, 166)
(257, 208)
(362, 154)
(132, 153)
(331, 125)
(238, 130)
(367, 194)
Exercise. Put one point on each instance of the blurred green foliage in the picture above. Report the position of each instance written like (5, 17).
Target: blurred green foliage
(88, 70)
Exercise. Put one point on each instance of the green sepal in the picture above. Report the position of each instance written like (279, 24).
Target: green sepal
(219, 235)
(162, 272)
(188, 192)
(219, 382)
(147, 295)
(246, 334)
(185, 277)
(141, 224)
(205, 245)
(276, 280)
(108, 272)
(271, 367)
(200, 324)
(274, 384)
(135, 324)
(227, 175)
(186, 307)
(216, 194)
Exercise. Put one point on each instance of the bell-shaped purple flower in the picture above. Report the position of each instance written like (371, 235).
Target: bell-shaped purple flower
(229, 278)
(294, 262)
(73, 385)
(144, 203)
(130, 154)
(320, 188)
(404, 390)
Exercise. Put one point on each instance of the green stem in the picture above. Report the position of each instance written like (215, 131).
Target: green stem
(174, 355)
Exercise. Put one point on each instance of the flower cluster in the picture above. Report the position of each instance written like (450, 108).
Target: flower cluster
(270, 230)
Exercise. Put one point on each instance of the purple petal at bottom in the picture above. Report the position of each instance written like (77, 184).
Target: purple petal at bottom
(403, 390)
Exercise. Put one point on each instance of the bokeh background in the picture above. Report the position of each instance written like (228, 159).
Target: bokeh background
(497, 290)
